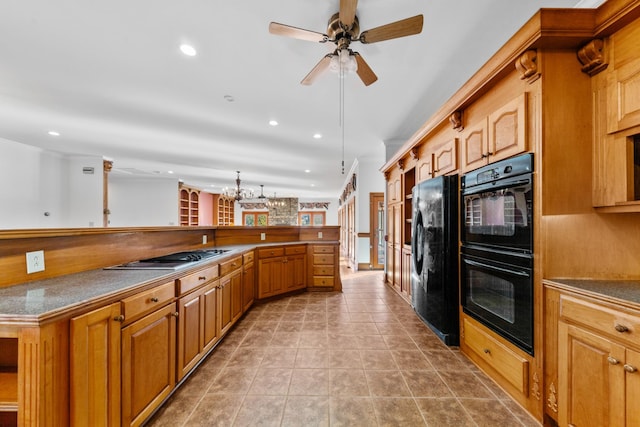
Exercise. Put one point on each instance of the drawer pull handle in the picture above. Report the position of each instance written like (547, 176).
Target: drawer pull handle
(621, 328)
(119, 318)
(612, 360)
(630, 368)
(487, 351)
(202, 278)
(154, 299)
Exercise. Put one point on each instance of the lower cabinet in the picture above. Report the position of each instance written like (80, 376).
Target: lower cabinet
(148, 364)
(323, 266)
(281, 269)
(598, 362)
(230, 306)
(95, 368)
(198, 327)
(248, 281)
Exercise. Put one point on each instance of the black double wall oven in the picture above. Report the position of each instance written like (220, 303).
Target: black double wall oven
(497, 248)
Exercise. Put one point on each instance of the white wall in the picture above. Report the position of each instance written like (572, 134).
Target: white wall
(85, 191)
(135, 202)
(32, 183)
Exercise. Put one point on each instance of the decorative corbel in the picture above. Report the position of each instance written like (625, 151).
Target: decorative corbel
(414, 153)
(527, 65)
(401, 164)
(107, 165)
(592, 58)
(386, 175)
(456, 120)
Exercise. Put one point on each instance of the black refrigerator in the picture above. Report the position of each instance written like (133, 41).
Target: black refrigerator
(434, 256)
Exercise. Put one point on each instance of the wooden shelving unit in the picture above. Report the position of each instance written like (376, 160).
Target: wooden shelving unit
(224, 209)
(188, 205)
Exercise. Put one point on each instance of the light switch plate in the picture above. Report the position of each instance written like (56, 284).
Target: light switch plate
(263, 236)
(319, 234)
(35, 261)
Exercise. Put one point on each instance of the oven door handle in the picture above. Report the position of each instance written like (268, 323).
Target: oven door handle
(495, 186)
(493, 267)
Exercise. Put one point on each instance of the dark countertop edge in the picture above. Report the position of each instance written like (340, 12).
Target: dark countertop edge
(621, 292)
(35, 320)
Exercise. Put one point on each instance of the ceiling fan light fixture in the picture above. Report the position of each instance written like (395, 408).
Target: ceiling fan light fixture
(344, 60)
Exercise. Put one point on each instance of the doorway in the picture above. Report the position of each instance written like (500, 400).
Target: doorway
(377, 221)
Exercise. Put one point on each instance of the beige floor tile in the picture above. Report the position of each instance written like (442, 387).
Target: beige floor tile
(489, 412)
(275, 357)
(352, 412)
(315, 358)
(215, 411)
(264, 411)
(426, 384)
(387, 383)
(445, 412)
(271, 381)
(311, 411)
(411, 359)
(378, 359)
(232, 381)
(347, 359)
(397, 411)
(465, 384)
(348, 382)
(309, 382)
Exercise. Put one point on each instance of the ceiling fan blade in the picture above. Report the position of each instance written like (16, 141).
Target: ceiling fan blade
(365, 72)
(317, 70)
(297, 33)
(402, 28)
(347, 12)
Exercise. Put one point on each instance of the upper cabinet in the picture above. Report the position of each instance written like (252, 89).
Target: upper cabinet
(188, 205)
(616, 112)
(500, 135)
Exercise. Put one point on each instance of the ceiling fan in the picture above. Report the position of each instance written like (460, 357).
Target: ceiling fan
(343, 29)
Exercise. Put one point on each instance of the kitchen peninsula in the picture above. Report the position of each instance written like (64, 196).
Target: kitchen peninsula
(85, 345)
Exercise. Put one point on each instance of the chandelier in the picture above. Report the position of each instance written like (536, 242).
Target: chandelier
(238, 193)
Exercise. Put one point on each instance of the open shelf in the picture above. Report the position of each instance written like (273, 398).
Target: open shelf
(8, 389)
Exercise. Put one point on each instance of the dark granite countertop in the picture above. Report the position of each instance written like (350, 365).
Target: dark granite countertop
(626, 291)
(33, 302)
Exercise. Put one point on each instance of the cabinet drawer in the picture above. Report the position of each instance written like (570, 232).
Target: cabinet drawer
(270, 252)
(322, 259)
(191, 281)
(148, 300)
(323, 270)
(323, 249)
(294, 250)
(512, 367)
(622, 325)
(322, 281)
(248, 257)
(228, 266)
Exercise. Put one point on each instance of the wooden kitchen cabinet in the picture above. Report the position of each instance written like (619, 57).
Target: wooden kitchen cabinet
(8, 381)
(148, 364)
(440, 159)
(95, 368)
(322, 266)
(198, 328)
(248, 281)
(500, 135)
(281, 269)
(230, 306)
(598, 362)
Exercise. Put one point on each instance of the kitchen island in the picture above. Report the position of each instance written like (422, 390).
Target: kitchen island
(106, 347)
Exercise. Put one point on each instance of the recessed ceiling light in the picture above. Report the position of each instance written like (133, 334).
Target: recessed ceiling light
(53, 133)
(317, 135)
(307, 170)
(313, 185)
(273, 122)
(188, 50)
(170, 172)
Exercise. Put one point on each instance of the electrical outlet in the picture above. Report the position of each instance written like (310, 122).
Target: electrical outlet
(319, 234)
(35, 261)
(263, 236)
(204, 239)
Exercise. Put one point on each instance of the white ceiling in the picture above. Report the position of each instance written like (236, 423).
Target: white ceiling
(109, 77)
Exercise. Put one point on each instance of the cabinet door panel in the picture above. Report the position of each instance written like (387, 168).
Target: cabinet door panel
(591, 385)
(445, 158)
(190, 333)
(211, 326)
(474, 147)
(148, 364)
(95, 368)
(248, 286)
(507, 130)
(633, 389)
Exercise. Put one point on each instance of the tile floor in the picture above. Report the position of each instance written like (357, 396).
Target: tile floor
(356, 358)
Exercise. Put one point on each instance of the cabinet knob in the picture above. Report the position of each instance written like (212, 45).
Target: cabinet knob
(202, 278)
(175, 314)
(119, 318)
(154, 299)
(630, 368)
(487, 351)
(621, 328)
(612, 360)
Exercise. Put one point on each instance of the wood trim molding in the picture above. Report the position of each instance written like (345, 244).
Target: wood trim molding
(456, 120)
(527, 66)
(364, 235)
(592, 57)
